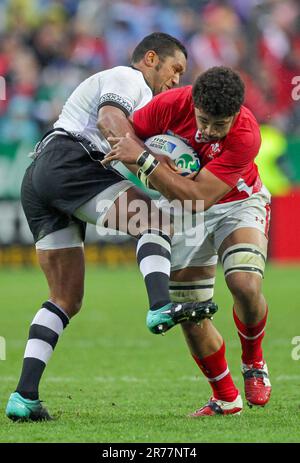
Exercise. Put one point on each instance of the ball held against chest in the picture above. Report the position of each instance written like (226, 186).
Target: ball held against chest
(180, 152)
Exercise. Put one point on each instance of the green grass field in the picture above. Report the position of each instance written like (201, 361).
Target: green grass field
(110, 380)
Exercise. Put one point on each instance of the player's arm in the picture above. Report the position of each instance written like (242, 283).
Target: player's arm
(119, 93)
(114, 123)
(147, 121)
(205, 187)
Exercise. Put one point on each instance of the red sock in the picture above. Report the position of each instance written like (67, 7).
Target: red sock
(251, 337)
(215, 368)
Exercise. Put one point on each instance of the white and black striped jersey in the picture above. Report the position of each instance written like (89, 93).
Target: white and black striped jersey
(122, 86)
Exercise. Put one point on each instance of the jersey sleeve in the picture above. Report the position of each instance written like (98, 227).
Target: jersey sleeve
(152, 119)
(120, 87)
(237, 158)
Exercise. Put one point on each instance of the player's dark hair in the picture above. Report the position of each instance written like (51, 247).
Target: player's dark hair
(163, 44)
(219, 92)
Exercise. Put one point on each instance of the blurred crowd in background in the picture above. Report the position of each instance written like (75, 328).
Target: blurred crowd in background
(48, 46)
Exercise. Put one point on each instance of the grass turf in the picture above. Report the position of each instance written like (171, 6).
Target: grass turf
(110, 380)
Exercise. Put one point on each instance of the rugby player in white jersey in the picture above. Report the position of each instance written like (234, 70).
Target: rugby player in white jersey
(62, 190)
(211, 118)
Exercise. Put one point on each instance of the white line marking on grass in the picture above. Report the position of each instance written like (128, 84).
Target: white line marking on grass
(8, 378)
(61, 379)
(287, 378)
(133, 379)
(126, 379)
(235, 344)
(191, 378)
(86, 343)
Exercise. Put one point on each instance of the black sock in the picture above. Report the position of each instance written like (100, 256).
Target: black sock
(44, 332)
(154, 260)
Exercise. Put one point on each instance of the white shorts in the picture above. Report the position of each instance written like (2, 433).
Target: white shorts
(220, 221)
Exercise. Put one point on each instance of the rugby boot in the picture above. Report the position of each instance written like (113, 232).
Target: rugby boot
(257, 384)
(219, 407)
(161, 320)
(20, 409)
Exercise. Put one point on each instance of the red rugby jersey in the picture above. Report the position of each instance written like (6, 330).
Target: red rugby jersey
(231, 159)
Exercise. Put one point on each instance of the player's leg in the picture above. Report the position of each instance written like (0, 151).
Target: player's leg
(153, 235)
(64, 270)
(205, 343)
(127, 209)
(243, 255)
(48, 193)
(192, 279)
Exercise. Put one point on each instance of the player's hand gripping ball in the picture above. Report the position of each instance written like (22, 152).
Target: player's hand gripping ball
(183, 155)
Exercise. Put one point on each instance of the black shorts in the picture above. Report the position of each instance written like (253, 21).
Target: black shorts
(59, 181)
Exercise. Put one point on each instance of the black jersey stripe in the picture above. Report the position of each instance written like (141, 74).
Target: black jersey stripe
(115, 105)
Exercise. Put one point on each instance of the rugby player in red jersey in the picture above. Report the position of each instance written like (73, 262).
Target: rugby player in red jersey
(211, 118)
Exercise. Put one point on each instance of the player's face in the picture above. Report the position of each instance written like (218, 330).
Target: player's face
(213, 128)
(168, 72)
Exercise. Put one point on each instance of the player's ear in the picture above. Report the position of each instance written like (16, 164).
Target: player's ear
(151, 58)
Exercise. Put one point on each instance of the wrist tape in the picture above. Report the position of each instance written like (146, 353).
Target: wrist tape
(147, 163)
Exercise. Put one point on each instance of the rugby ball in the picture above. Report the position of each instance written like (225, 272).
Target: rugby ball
(180, 152)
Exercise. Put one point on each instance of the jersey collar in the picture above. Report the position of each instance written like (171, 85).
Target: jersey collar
(147, 83)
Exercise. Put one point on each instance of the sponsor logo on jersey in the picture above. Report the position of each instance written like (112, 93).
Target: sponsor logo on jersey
(259, 220)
